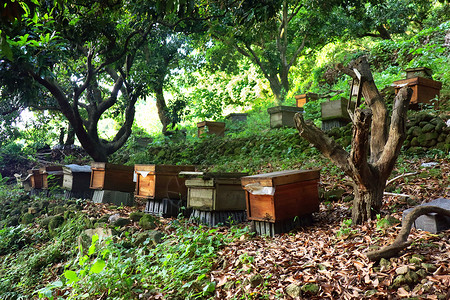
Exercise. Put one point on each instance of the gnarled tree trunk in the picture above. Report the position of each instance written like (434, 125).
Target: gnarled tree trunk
(375, 144)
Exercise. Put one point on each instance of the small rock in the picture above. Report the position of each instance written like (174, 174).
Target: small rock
(140, 238)
(293, 290)
(136, 216)
(156, 237)
(310, 288)
(120, 222)
(55, 222)
(411, 277)
(399, 281)
(147, 222)
(384, 262)
(113, 218)
(402, 270)
(256, 280)
(430, 268)
(421, 273)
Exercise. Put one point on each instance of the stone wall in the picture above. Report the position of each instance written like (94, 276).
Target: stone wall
(424, 131)
(427, 131)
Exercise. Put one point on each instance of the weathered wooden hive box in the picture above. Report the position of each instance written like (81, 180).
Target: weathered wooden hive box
(77, 178)
(336, 109)
(112, 177)
(209, 127)
(160, 181)
(52, 177)
(237, 117)
(280, 196)
(214, 191)
(283, 116)
(36, 178)
(419, 72)
(424, 90)
(334, 113)
(302, 99)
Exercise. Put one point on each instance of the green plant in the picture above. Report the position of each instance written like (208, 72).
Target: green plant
(345, 229)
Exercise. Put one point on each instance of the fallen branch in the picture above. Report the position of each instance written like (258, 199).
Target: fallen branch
(399, 176)
(401, 241)
(398, 195)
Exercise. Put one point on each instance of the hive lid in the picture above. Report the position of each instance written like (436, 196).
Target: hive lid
(277, 109)
(281, 177)
(74, 168)
(211, 175)
(104, 165)
(210, 123)
(162, 169)
(50, 169)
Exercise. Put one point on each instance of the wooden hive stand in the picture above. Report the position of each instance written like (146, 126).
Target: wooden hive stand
(76, 181)
(215, 198)
(160, 185)
(279, 201)
(112, 183)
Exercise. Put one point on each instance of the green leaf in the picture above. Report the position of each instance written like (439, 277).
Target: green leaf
(210, 288)
(5, 49)
(97, 267)
(71, 276)
(91, 249)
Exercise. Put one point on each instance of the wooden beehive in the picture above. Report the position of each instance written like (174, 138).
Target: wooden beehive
(112, 177)
(419, 72)
(76, 178)
(36, 178)
(214, 191)
(283, 116)
(424, 90)
(209, 127)
(336, 109)
(52, 177)
(237, 117)
(160, 181)
(283, 195)
(302, 99)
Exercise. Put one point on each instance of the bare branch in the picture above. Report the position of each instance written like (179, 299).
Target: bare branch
(297, 52)
(397, 133)
(399, 176)
(325, 144)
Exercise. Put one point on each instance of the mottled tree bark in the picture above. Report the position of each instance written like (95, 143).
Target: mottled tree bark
(375, 144)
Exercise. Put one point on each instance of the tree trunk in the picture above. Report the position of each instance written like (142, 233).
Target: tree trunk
(367, 203)
(277, 89)
(163, 112)
(70, 140)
